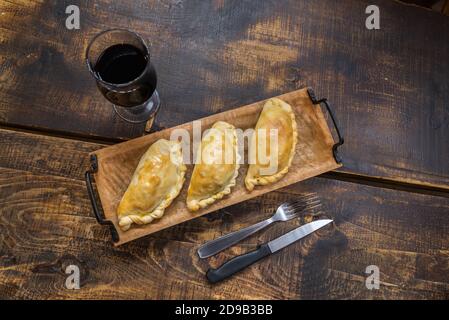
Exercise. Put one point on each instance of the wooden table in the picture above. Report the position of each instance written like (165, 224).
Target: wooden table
(390, 92)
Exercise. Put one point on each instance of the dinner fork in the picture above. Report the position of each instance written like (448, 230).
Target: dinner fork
(284, 212)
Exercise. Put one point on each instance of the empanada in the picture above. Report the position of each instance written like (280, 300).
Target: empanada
(157, 180)
(279, 116)
(216, 173)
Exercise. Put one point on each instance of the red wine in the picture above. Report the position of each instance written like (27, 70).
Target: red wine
(121, 64)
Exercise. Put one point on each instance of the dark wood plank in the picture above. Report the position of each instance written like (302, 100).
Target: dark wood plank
(445, 8)
(215, 55)
(46, 224)
(41, 237)
(422, 3)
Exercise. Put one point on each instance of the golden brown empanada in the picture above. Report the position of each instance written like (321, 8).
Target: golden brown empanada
(215, 174)
(157, 180)
(278, 115)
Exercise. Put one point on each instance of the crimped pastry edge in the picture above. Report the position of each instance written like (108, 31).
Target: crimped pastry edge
(195, 204)
(250, 183)
(126, 221)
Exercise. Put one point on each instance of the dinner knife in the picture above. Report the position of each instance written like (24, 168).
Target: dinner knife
(240, 262)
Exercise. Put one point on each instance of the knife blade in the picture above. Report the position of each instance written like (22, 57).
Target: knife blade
(240, 262)
(296, 234)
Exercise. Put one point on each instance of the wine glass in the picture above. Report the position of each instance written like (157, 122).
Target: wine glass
(119, 60)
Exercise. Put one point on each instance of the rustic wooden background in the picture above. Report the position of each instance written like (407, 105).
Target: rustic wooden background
(437, 5)
(390, 92)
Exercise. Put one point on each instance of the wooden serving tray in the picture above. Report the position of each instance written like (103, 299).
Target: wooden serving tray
(115, 165)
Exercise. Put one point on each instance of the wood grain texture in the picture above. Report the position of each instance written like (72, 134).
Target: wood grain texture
(212, 56)
(46, 224)
(445, 8)
(117, 163)
(422, 3)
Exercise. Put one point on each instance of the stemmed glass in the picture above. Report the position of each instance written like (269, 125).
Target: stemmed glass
(119, 60)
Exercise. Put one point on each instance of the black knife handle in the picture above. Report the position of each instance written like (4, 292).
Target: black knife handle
(237, 263)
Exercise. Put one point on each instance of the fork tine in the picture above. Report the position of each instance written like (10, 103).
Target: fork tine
(295, 214)
(303, 200)
(303, 204)
(311, 207)
(299, 209)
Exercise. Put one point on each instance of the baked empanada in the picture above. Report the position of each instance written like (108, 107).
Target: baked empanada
(278, 118)
(216, 172)
(157, 180)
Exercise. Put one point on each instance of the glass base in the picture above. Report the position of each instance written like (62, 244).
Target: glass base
(142, 113)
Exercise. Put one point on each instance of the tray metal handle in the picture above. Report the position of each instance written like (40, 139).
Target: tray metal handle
(341, 140)
(90, 191)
